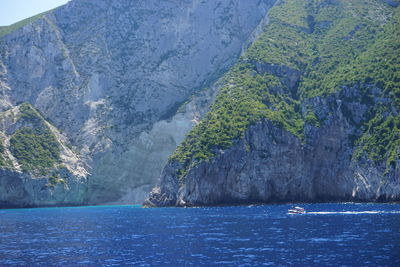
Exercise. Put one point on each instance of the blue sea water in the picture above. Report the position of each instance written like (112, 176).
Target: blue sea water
(327, 235)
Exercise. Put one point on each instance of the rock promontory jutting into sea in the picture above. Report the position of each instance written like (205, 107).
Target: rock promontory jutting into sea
(310, 112)
(205, 102)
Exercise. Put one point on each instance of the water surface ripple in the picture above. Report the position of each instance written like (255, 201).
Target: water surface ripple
(327, 235)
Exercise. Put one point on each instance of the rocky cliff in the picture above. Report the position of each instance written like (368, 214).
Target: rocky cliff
(38, 164)
(119, 84)
(309, 113)
(270, 164)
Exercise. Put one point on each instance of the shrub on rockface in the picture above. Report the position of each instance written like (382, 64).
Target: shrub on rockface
(2, 161)
(33, 145)
(35, 149)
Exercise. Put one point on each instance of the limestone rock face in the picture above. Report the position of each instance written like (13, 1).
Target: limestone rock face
(310, 112)
(111, 77)
(272, 165)
(63, 182)
(19, 189)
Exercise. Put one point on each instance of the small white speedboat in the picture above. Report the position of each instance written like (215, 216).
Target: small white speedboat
(296, 210)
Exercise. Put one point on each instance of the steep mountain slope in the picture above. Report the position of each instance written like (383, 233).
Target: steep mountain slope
(310, 112)
(122, 81)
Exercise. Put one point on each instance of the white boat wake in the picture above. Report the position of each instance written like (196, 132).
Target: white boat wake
(353, 212)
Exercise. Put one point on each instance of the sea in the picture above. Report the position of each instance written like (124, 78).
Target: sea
(342, 234)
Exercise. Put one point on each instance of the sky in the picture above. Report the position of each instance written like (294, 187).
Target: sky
(12, 11)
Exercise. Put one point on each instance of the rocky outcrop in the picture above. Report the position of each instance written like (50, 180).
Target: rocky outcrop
(306, 114)
(112, 77)
(18, 189)
(272, 165)
(288, 76)
(33, 178)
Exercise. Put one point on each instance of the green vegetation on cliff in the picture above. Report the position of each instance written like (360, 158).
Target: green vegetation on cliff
(332, 44)
(246, 99)
(2, 161)
(55, 179)
(28, 113)
(381, 141)
(35, 148)
(34, 145)
(380, 66)
(4, 30)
